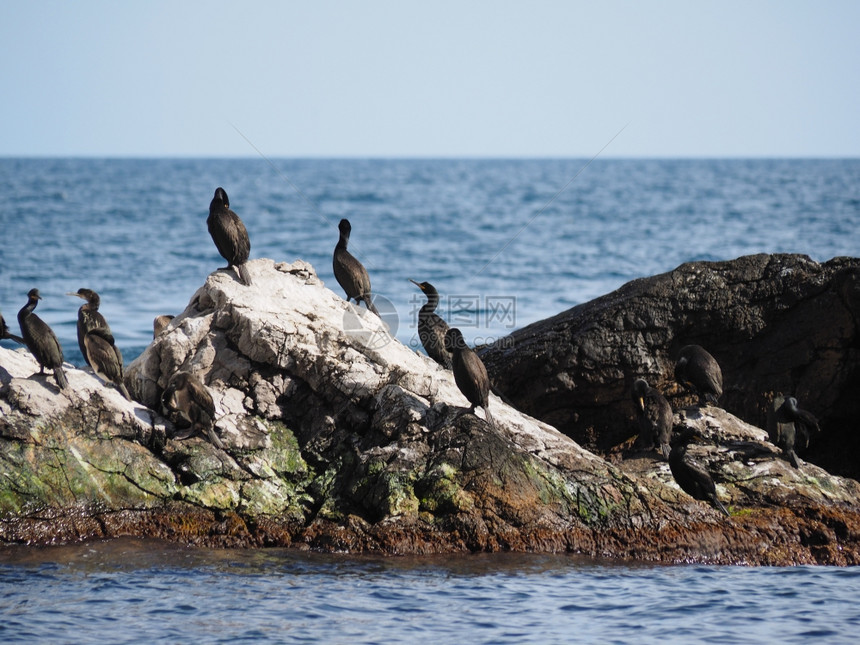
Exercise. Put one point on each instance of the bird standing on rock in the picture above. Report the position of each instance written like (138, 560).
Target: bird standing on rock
(470, 375)
(41, 340)
(229, 234)
(654, 415)
(431, 327)
(691, 477)
(89, 317)
(789, 427)
(187, 403)
(104, 357)
(697, 370)
(349, 272)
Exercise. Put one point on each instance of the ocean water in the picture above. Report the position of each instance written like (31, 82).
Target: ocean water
(132, 591)
(506, 242)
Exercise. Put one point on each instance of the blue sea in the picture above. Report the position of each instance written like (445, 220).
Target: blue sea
(135, 591)
(506, 243)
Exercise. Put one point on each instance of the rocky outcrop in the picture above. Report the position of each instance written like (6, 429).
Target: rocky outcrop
(337, 437)
(775, 323)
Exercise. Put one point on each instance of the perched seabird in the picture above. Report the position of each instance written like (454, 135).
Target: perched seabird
(349, 272)
(691, 477)
(41, 340)
(229, 234)
(187, 403)
(88, 317)
(697, 370)
(104, 357)
(654, 415)
(790, 427)
(470, 375)
(160, 324)
(431, 328)
(5, 333)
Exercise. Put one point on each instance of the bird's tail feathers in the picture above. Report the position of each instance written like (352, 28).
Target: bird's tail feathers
(490, 418)
(213, 437)
(665, 450)
(369, 303)
(60, 377)
(244, 274)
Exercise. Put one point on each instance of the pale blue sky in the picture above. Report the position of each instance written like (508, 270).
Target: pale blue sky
(530, 78)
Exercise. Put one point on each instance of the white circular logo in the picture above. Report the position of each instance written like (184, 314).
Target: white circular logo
(364, 327)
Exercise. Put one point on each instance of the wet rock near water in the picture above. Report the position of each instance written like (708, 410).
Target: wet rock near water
(337, 437)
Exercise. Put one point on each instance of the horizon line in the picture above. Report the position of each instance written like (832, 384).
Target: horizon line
(421, 157)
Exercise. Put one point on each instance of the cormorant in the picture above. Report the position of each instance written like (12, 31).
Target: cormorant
(349, 272)
(229, 234)
(88, 317)
(5, 333)
(691, 477)
(41, 340)
(697, 370)
(187, 403)
(431, 328)
(160, 324)
(654, 414)
(104, 357)
(789, 427)
(470, 375)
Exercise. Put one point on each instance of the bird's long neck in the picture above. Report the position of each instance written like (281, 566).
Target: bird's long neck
(432, 302)
(27, 309)
(343, 241)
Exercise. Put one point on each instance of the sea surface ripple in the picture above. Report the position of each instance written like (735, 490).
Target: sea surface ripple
(134, 591)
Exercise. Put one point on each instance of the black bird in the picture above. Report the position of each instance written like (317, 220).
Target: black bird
(697, 370)
(229, 234)
(187, 403)
(88, 317)
(160, 324)
(691, 477)
(431, 328)
(349, 272)
(470, 375)
(104, 357)
(5, 333)
(789, 427)
(654, 414)
(41, 340)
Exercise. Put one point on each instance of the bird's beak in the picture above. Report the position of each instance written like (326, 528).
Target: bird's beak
(417, 284)
(641, 402)
(77, 295)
